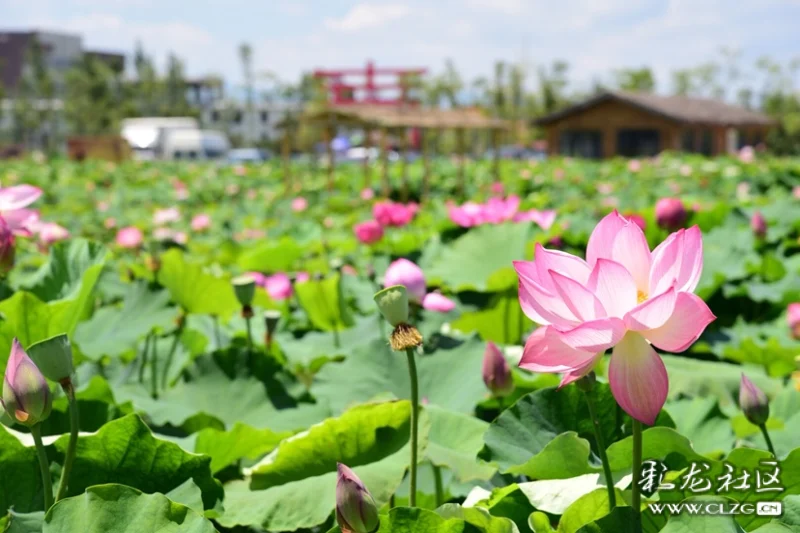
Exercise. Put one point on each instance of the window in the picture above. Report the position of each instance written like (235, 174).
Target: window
(264, 117)
(706, 142)
(687, 141)
(215, 116)
(192, 154)
(637, 143)
(237, 117)
(581, 143)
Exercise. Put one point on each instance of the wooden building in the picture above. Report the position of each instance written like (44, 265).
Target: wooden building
(629, 124)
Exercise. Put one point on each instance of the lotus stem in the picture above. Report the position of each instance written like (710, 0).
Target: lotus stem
(249, 341)
(764, 432)
(44, 466)
(412, 373)
(636, 495)
(154, 370)
(439, 487)
(74, 427)
(601, 448)
(144, 357)
(170, 355)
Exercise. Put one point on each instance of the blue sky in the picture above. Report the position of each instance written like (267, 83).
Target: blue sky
(290, 36)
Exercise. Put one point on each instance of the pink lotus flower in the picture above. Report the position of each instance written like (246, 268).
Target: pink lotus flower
(299, 204)
(232, 189)
(685, 170)
(7, 248)
(367, 194)
(637, 219)
(404, 272)
(349, 270)
(165, 216)
(328, 222)
(496, 372)
(302, 277)
(279, 286)
(259, 278)
(623, 297)
(394, 214)
(747, 154)
(670, 213)
(240, 170)
(544, 219)
(497, 211)
(26, 396)
(201, 222)
(634, 165)
(102, 206)
(497, 188)
(180, 237)
(130, 237)
(13, 201)
(368, 232)
(434, 301)
(50, 232)
(793, 318)
(162, 234)
(796, 191)
(110, 223)
(759, 225)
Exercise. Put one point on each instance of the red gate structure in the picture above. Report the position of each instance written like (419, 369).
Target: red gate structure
(356, 86)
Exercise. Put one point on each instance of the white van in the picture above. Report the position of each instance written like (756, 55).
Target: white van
(146, 134)
(194, 145)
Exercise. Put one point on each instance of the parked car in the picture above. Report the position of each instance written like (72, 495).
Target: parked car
(248, 155)
(199, 145)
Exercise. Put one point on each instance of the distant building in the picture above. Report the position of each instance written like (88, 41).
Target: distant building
(632, 124)
(262, 124)
(61, 52)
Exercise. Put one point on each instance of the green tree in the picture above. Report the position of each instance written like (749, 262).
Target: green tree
(635, 79)
(92, 103)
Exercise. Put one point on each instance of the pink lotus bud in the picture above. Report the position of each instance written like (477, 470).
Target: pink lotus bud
(437, 302)
(356, 511)
(201, 222)
(130, 237)
(759, 225)
(793, 317)
(496, 372)
(754, 402)
(299, 204)
(26, 395)
(670, 213)
(7, 248)
(404, 272)
(368, 232)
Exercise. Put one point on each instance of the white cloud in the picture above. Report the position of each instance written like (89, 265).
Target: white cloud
(508, 7)
(367, 16)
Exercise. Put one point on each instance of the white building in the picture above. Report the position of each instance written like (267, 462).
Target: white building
(260, 125)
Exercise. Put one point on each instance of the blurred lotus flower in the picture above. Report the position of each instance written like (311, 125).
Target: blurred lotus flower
(404, 272)
(240, 170)
(232, 189)
(634, 165)
(7, 248)
(367, 194)
(328, 222)
(743, 191)
(759, 225)
(793, 318)
(180, 237)
(165, 216)
(753, 402)
(467, 215)
(302, 277)
(636, 219)
(279, 286)
(434, 301)
(496, 372)
(623, 297)
(162, 234)
(13, 201)
(349, 270)
(130, 237)
(50, 232)
(110, 223)
(201, 222)
(556, 242)
(26, 395)
(497, 188)
(605, 187)
(299, 204)
(102, 206)
(558, 174)
(356, 511)
(796, 191)
(394, 214)
(747, 154)
(252, 194)
(685, 170)
(525, 173)
(544, 219)
(670, 213)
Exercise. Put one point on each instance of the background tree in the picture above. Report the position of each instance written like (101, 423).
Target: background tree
(635, 79)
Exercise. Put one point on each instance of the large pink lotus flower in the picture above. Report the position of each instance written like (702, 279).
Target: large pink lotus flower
(279, 286)
(13, 201)
(623, 297)
(394, 214)
(130, 237)
(404, 272)
(368, 232)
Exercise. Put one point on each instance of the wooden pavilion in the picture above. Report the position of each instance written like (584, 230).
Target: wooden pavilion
(399, 119)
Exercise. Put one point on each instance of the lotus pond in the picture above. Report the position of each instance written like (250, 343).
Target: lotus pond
(201, 348)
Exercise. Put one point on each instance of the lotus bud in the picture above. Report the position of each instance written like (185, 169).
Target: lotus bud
(753, 402)
(404, 272)
(759, 225)
(7, 248)
(496, 372)
(53, 357)
(26, 395)
(356, 511)
(670, 213)
(793, 318)
(393, 305)
(245, 289)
